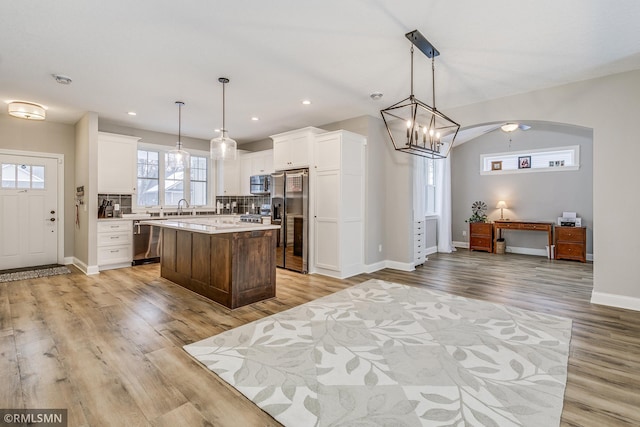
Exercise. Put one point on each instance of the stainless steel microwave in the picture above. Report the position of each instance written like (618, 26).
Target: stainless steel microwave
(260, 184)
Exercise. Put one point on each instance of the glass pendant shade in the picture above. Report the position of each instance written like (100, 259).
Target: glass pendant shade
(178, 159)
(223, 148)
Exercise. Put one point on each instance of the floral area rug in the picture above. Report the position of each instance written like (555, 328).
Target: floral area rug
(33, 273)
(382, 353)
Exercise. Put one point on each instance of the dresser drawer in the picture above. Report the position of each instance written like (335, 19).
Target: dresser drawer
(113, 239)
(570, 251)
(534, 227)
(114, 254)
(109, 226)
(480, 243)
(570, 234)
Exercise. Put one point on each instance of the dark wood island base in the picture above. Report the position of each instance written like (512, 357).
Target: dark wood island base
(232, 269)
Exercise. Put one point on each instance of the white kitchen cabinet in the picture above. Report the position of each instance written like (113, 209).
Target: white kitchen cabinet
(338, 195)
(419, 241)
(115, 244)
(254, 163)
(117, 158)
(262, 162)
(294, 149)
(229, 177)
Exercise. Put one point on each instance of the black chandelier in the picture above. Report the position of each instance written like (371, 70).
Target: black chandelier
(415, 127)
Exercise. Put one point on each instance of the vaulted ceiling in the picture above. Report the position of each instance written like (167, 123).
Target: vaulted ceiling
(143, 55)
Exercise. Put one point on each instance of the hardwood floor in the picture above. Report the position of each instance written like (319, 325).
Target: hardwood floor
(108, 347)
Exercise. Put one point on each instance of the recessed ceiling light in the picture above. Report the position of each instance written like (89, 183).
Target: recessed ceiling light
(306, 102)
(255, 119)
(63, 80)
(132, 113)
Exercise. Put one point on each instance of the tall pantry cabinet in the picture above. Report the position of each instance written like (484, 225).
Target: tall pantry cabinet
(339, 188)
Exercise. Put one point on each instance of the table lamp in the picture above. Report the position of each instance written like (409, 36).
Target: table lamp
(501, 205)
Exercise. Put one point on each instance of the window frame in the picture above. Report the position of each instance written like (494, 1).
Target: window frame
(486, 159)
(162, 152)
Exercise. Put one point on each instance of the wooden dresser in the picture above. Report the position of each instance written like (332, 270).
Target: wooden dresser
(481, 236)
(571, 243)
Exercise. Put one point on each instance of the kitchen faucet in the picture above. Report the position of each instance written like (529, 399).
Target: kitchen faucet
(180, 205)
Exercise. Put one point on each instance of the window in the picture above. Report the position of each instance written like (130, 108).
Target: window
(173, 183)
(430, 189)
(162, 186)
(22, 176)
(148, 178)
(546, 160)
(198, 182)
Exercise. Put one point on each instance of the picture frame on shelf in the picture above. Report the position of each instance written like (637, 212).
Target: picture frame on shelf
(524, 162)
(496, 166)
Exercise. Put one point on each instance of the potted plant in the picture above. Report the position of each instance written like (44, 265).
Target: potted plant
(478, 210)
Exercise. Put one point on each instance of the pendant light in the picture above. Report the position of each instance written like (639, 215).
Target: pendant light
(179, 159)
(414, 126)
(222, 147)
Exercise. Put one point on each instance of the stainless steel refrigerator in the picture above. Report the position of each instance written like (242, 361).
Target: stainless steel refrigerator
(290, 210)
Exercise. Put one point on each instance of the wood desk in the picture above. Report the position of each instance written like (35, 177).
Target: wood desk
(546, 226)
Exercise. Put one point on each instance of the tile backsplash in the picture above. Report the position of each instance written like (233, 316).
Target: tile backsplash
(124, 200)
(243, 204)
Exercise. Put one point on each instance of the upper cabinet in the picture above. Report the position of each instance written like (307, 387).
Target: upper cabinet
(293, 149)
(117, 157)
(254, 163)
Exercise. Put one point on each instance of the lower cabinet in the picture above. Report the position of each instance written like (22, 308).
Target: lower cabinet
(115, 247)
(232, 269)
(419, 238)
(571, 243)
(481, 236)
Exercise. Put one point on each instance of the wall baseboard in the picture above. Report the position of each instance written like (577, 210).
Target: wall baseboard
(613, 300)
(431, 250)
(86, 269)
(395, 265)
(463, 245)
(68, 260)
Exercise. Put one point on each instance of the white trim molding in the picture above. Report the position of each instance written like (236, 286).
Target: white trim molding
(613, 300)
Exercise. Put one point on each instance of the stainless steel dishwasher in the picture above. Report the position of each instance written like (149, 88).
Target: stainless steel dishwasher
(146, 243)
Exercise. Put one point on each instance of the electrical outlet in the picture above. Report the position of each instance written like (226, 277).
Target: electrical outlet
(464, 233)
(379, 248)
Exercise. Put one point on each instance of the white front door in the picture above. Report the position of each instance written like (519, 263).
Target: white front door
(28, 211)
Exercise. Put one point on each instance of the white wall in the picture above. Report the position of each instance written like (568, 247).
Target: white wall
(530, 195)
(46, 137)
(611, 107)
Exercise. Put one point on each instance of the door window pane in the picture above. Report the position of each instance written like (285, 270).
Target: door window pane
(37, 176)
(8, 175)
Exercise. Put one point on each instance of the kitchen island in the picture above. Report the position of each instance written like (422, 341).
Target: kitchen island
(228, 262)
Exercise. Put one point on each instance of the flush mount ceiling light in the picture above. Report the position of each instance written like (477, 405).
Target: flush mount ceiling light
(510, 127)
(26, 110)
(376, 96)
(415, 127)
(222, 147)
(178, 159)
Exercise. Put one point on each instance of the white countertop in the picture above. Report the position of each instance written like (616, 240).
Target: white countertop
(209, 225)
(133, 217)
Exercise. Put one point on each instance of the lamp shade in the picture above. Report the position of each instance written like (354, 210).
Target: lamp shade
(179, 159)
(26, 110)
(223, 148)
(501, 205)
